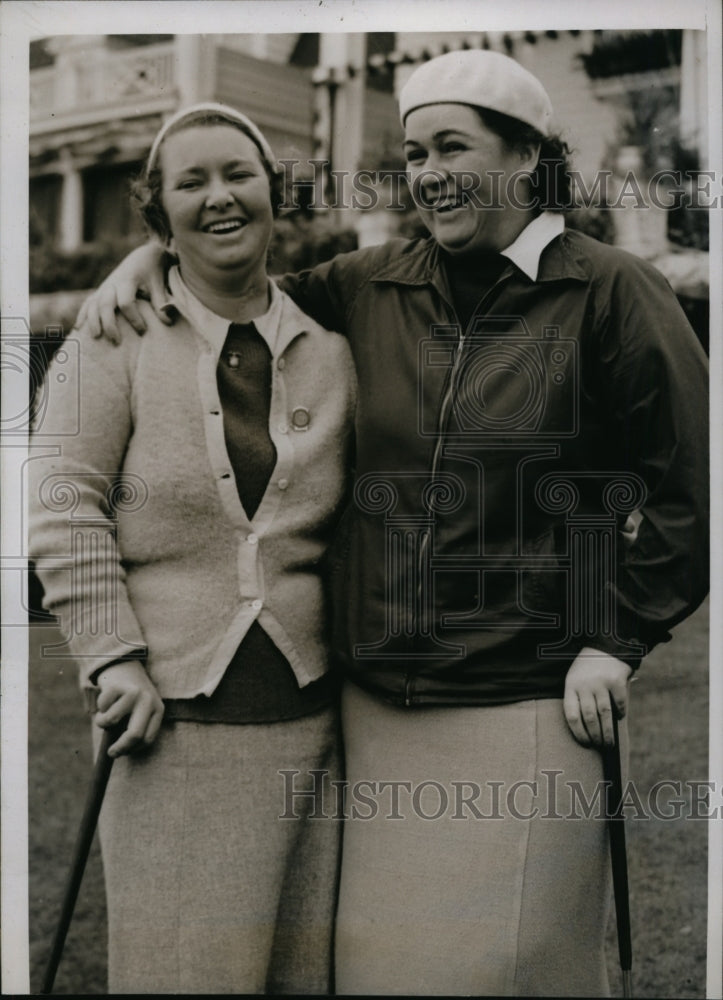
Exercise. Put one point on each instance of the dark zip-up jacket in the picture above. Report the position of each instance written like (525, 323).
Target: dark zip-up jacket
(497, 466)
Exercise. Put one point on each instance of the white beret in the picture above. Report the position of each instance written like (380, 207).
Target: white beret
(211, 108)
(483, 79)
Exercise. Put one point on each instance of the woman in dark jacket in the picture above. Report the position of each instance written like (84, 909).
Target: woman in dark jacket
(529, 519)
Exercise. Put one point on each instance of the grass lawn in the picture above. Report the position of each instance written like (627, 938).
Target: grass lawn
(667, 858)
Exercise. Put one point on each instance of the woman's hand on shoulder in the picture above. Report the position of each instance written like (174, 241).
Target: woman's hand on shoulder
(126, 691)
(141, 272)
(593, 677)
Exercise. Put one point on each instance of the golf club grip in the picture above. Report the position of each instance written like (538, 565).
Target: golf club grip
(93, 803)
(612, 770)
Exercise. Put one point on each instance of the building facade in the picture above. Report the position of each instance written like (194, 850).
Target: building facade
(97, 101)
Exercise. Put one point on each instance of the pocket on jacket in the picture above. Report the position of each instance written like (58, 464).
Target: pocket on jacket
(543, 590)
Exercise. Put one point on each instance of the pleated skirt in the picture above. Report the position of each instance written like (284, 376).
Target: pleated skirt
(208, 889)
(488, 874)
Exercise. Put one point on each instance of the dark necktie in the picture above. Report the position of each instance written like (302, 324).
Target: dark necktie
(244, 385)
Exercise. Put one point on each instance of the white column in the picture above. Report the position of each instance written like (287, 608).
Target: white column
(374, 226)
(77, 58)
(694, 94)
(259, 46)
(195, 68)
(71, 204)
(642, 231)
(343, 105)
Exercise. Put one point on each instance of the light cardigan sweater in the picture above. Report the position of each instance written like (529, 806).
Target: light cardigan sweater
(136, 526)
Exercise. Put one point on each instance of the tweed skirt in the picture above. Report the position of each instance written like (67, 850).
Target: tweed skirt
(209, 890)
(475, 854)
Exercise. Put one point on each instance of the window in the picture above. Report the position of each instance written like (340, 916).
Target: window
(107, 212)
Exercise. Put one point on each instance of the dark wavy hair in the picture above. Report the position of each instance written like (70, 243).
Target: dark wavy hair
(550, 181)
(147, 187)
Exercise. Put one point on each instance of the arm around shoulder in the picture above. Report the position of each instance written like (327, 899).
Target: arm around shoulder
(140, 273)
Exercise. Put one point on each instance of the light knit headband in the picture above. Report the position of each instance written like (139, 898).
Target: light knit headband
(213, 109)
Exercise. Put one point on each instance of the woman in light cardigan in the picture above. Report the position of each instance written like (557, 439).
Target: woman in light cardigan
(211, 459)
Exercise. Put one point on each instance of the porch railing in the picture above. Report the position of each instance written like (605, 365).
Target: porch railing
(103, 80)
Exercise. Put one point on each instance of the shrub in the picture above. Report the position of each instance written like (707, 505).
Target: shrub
(302, 241)
(299, 241)
(53, 270)
(595, 222)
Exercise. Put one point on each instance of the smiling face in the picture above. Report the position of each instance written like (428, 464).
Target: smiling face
(217, 197)
(461, 170)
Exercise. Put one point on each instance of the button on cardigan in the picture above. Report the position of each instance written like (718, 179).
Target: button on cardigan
(183, 570)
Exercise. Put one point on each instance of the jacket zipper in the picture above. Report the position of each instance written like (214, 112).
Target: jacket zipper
(441, 424)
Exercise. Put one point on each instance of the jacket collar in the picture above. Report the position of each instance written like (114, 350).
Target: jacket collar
(541, 252)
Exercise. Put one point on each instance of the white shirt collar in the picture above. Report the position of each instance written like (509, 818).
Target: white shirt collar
(527, 249)
(214, 328)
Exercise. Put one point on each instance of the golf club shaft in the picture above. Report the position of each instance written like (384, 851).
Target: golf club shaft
(93, 803)
(616, 825)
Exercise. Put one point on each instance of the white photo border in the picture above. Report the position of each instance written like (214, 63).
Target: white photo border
(24, 20)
